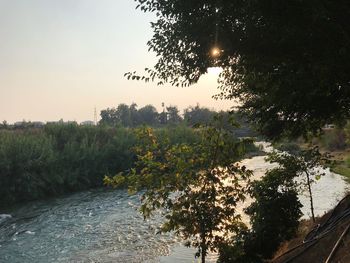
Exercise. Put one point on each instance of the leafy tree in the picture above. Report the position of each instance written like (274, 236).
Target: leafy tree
(274, 214)
(305, 165)
(288, 63)
(196, 186)
(198, 115)
(148, 115)
(109, 117)
(4, 125)
(123, 115)
(134, 115)
(163, 118)
(173, 116)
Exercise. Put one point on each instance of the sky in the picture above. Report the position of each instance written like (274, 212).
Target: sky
(62, 58)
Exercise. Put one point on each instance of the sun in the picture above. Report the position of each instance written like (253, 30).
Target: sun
(215, 52)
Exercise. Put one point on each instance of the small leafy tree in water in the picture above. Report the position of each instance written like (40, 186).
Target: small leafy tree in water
(274, 216)
(275, 212)
(306, 166)
(196, 186)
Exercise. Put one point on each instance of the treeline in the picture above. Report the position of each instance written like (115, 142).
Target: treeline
(335, 138)
(130, 116)
(44, 160)
(61, 158)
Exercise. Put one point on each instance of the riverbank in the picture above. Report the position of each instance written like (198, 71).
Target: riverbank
(320, 241)
(105, 226)
(341, 163)
(339, 151)
(336, 142)
(38, 163)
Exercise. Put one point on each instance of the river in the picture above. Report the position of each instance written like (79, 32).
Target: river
(105, 226)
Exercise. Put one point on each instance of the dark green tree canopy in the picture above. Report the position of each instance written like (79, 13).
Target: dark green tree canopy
(198, 115)
(287, 62)
(173, 115)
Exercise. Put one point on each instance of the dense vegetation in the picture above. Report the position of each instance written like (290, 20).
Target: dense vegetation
(334, 140)
(59, 158)
(288, 63)
(196, 185)
(130, 116)
(199, 185)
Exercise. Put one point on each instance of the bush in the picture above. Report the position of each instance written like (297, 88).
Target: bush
(60, 158)
(334, 139)
(274, 215)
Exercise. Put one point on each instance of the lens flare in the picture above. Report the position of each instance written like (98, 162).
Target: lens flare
(215, 52)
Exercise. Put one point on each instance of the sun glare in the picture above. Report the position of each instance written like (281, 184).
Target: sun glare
(214, 70)
(215, 52)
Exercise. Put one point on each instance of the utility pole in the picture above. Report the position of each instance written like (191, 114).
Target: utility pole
(164, 119)
(95, 116)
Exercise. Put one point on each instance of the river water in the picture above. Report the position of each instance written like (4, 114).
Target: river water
(105, 226)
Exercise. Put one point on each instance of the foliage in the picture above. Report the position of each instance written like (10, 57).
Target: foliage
(274, 214)
(347, 132)
(123, 115)
(4, 125)
(25, 163)
(305, 165)
(333, 139)
(342, 165)
(130, 116)
(196, 186)
(275, 211)
(198, 115)
(173, 115)
(59, 158)
(284, 61)
(148, 115)
(289, 147)
(36, 163)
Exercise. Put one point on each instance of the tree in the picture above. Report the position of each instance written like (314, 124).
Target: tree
(197, 186)
(123, 115)
(288, 63)
(173, 116)
(148, 115)
(4, 125)
(304, 164)
(198, 115)
(275, 212)
(134, 114)
(109, 117)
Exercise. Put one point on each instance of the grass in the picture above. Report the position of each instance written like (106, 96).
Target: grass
(340, 157)
(342, 164)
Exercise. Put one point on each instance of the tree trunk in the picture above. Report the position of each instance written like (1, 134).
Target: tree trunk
(203, 248)
(311, 199)
(203, 255)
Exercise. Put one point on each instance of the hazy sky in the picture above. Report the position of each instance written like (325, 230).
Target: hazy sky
(61, 58)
